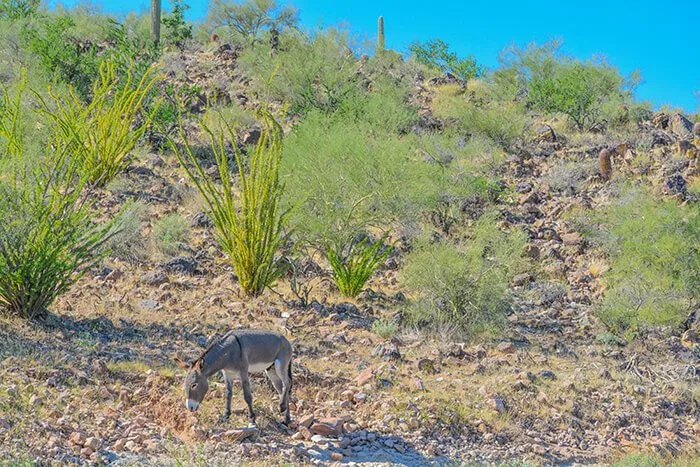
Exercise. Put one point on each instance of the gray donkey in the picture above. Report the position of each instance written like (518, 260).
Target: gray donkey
(236, 354)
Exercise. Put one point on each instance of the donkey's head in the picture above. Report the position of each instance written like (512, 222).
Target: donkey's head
(196, 384)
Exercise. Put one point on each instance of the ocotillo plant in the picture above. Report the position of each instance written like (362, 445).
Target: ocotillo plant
(381, 41)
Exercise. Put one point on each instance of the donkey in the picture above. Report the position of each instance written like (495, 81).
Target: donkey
(236, 354)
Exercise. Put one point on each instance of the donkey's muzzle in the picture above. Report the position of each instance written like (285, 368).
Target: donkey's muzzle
(191, 405)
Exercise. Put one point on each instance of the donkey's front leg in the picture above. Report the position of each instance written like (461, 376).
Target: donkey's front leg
(229, 393)
(247, 395)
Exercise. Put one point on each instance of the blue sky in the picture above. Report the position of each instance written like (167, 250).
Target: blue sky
(660, 40)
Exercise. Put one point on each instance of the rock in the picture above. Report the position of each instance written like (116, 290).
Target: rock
(523, 187)
(150, 305)
(336, 456)
(387, 352)
(93, 443)
(180, 265)
(119, 445)
(676, 184)
(660, 120)
(131, 446)
(521, 279)
(86, 452)
(506, 347)
(251, 137)
(696, 130)
(77, 438)
(367, 376)
(114, 275)
(573, 238)
(99, 367)
(681, 125)
(155, 160)
(240, 434)
(327, 427)
(154, 278)
(545, 133)
(660, 138)
(497, 403)
(532, 251)
(348, 395)
(306, 421)
(547, 374)
(202, 220)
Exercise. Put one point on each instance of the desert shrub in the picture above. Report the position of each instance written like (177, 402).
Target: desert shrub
(557, 83)
(250, 18)
(249, 223)
(385, 106)
(177, 31)
(125, 240)
(654, 259)
(464, 287)
(169, 233)
(316, 72)
(502, 122)
(18, 9)
(102, 134)
(437, 54)
(354, 264)
(47, 234)
(384, 328)
(61, 57)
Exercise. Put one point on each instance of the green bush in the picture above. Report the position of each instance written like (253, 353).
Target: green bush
(18, 9)
(102, 134)
(125, 241)
(353, 265)
(502, 122)
(177, 31)
(556, 83)
(48, 237)
(316, 72)
(170, 232)
(250, 18)
(464, 287)
(654, 253)
(436, 54)
(249, 224)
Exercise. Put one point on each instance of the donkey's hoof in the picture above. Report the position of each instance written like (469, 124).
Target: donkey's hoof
(224, 418)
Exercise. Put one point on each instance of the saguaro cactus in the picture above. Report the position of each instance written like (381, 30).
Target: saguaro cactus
(155, 21)
(604, 164)
(380, 35)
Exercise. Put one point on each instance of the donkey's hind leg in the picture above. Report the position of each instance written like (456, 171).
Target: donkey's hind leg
(283, 372)
(275, 380)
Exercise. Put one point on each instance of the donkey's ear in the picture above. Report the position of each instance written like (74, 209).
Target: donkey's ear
(181, 363)
(198, 364)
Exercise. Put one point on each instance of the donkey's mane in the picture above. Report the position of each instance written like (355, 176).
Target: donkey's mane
(215, 343)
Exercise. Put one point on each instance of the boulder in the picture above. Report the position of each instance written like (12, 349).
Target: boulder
(681, 126)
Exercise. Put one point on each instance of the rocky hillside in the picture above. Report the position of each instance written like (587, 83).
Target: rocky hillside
(94, 382)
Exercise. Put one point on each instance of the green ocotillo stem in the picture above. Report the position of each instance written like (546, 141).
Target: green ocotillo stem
(380, 35)
(155, 21)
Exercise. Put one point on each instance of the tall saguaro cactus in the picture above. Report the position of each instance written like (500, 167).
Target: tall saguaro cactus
(381, 41)
(155, 21)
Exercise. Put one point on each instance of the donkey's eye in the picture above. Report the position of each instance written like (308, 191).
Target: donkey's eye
(194, 386)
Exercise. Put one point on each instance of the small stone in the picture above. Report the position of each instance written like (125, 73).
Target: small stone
(114, 275)
(573, 238)
(154, 278)
(336, 456)
(93, 443)
(148, 304)
(86, 452)
(521, 279)
(348, 395)
(506, 347)
(131, 446)
(365, 377)
(240, 434)
(426, 365)
(497, 403)
(119, 445)
(180, 265)
(77, 438)
(306, 421)
(547, 374)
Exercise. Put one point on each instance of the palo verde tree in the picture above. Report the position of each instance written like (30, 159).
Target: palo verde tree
(437, 54)
(249, 18)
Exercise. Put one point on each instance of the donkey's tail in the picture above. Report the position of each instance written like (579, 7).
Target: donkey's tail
(289, 373)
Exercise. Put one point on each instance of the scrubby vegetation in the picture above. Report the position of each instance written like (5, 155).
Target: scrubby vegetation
(438, 239)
